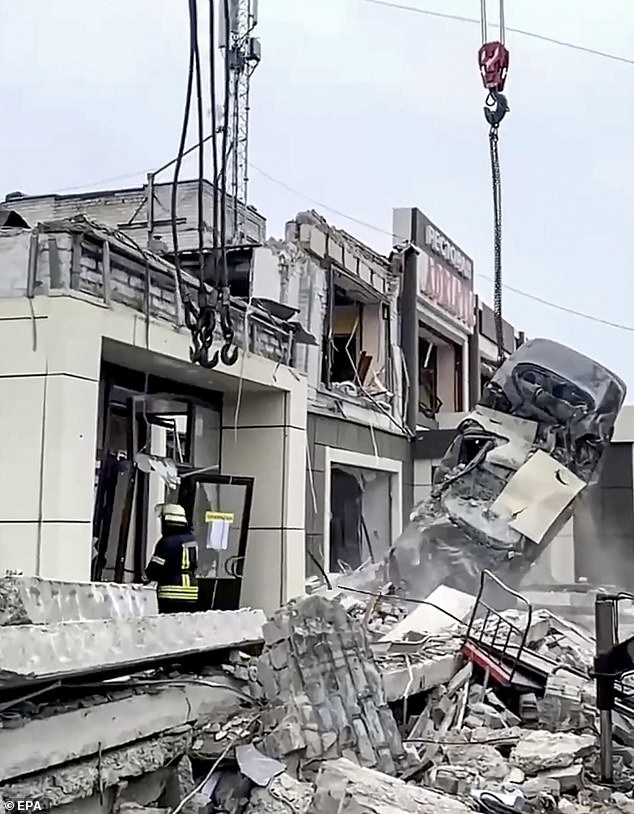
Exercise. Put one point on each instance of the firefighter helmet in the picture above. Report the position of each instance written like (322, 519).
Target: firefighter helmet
(174, 514)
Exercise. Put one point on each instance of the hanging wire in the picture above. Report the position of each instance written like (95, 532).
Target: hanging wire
(201, 149)
(184, 294)
(214, 130)
(225, 138)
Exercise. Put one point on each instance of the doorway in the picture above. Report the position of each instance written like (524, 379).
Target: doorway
(141, 413)
(346, 519)
(219, 510)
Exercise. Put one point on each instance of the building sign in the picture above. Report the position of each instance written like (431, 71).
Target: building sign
(443, 247)
(446, 289)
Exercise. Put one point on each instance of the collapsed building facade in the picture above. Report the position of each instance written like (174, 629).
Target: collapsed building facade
(319, 310)
(350, 699)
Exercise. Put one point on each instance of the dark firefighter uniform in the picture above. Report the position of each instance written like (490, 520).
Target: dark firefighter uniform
(174, 564)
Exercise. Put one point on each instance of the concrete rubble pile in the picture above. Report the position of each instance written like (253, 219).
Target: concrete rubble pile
(335, 705)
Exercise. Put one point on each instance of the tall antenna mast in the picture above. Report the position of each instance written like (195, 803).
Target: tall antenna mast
(244, 57)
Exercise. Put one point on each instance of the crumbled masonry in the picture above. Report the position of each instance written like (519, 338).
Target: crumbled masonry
(334, 716)
(324, 692)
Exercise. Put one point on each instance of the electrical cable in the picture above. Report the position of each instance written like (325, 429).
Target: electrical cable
(225, 141)
(184, 294)
(214, 131)
(320, 568)
(461, 19)
(200, 225)
(228, 354)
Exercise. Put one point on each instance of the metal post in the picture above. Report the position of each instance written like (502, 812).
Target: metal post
(409, 332)
(150, 209)
(605, 610)
(475, 365)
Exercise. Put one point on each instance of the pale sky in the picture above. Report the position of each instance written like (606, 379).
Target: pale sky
(365, 108)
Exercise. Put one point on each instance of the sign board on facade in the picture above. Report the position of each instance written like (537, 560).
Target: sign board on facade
(447, 290)
(445, 272)
(443, 247)
(430, 238)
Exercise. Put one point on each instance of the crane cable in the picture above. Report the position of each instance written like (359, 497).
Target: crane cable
(493, 58)
(228, 354)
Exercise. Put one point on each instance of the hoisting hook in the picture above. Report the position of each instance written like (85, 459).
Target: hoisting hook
(496, 107)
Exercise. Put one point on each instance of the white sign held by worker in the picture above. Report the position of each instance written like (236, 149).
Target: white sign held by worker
(218, 526)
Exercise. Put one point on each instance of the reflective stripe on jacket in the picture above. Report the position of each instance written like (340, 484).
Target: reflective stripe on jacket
(173, 566)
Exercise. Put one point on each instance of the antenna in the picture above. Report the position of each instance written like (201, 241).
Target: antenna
(244, 57)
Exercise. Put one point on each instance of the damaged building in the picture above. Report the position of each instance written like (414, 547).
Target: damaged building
(108, 418)
(358, 478)
(335, 703)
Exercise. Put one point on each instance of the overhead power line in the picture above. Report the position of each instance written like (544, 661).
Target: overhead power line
(459, 18)
(381, 230)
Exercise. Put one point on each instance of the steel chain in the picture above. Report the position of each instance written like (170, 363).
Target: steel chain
(497, 240)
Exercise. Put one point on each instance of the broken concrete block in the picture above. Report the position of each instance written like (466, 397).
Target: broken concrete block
(528, 708)
(454, 780)
(324, 679)
(566, 706)
(490, 717)
(623, 802)
(401, 681)
(284, 795)
(537, 788)
(570, 779)
(68, 648)
(539, 751)
(446, 605)
(481, 757)
(38, 601)
(232, 792)
(344, 788)
(497, 737)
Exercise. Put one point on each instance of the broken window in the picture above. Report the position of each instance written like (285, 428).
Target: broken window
(360, 516)
(428, 402)
(440, 374)
(356, 340)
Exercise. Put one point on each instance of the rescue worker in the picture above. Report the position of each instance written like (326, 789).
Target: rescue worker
(174, 563)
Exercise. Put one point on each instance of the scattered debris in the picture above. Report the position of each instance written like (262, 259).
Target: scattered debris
(329, 707)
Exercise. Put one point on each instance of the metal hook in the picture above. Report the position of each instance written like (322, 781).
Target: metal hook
(228, 354)
(496, 108)
(207, 362)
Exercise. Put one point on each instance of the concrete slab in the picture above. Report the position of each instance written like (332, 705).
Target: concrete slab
(345, 788)
(78, 781)
(426, 620)
(38, 601)
(43, 652)
(403, 680)
(48, 742)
